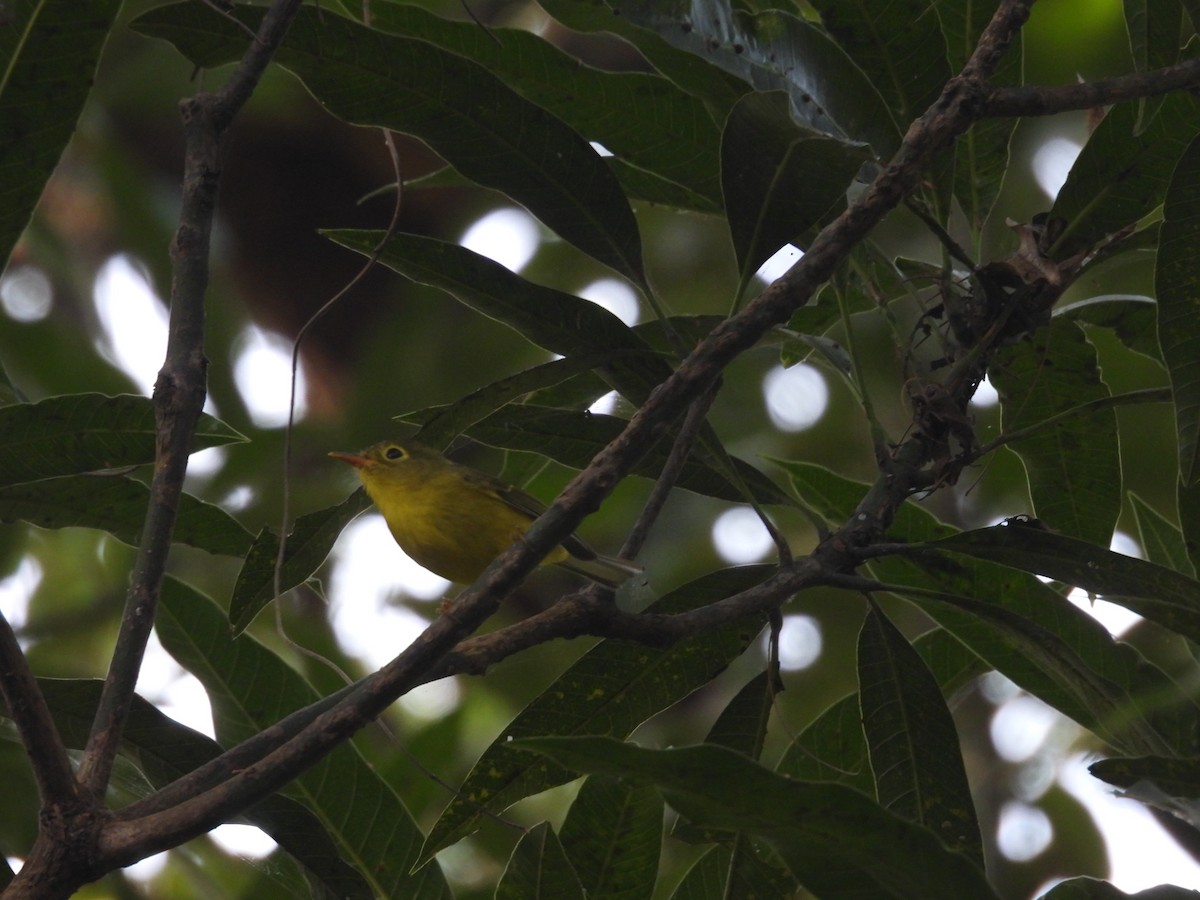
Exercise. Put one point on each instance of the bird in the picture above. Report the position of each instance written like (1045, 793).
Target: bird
(454, 520)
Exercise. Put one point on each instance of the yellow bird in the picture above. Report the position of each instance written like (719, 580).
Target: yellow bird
(454, 520)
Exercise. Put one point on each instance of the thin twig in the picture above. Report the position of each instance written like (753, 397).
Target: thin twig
(1129, 398)
(180, 390)
(669, 476)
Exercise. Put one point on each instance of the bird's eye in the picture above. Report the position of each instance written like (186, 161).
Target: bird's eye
(394, 453)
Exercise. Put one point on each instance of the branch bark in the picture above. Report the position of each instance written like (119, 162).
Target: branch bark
(65, 855)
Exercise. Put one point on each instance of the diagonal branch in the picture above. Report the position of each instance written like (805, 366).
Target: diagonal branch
(180, 390)
(43, 746)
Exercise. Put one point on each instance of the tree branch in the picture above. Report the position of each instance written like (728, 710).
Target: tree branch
(43, 746)
(181, 386)
(1045, 101)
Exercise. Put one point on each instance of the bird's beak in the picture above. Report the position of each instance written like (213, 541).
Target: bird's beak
(359, 462)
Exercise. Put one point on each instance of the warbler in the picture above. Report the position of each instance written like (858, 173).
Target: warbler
(454, 520)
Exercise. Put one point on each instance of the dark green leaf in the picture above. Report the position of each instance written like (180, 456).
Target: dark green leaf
(308, 545)
(1120, 176)
(539, 869)
(724, 872)
(912, 740)
(1131, 318)
(981, 154)
(612, 836)
(574, 438)
(1084, 888)
(470, 117)
(118, 505)
(251, 689)
(444, 423)
(834, 840)
(1023, 628)
(742, 726)
(777, 178)
(691, 72)
(1168, 597)
(1177, 279)
(561, 323)
(775, 50)
(660, 128)
(50, 50)
(79, 433)
(833, 746)
(614, 688)
(1160, 539)
(899, 46)
(1074, 468)
(1176, 777)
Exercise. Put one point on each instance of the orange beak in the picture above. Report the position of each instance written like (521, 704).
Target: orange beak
(359, 462)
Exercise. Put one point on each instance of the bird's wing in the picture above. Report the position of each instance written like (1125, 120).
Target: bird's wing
(529, 505)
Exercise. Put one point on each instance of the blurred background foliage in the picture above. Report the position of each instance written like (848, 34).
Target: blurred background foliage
(390, 347)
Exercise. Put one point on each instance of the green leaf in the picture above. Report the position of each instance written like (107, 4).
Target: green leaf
(899, 46)
(308, 545)
(1177, 281)
(1154, 32)
(442, 424)
(660, 128)
(834, 840)
(574, 438)
(1164, 595)
(1188, 499)
(775, 50)
(1120, 175)
(251, 689)
(745, 872)
(474, 121)
(1160, 538)
(689, 71)
(777, 178)
(980, 154)
(78, 433)
(50, 50)
(539, 869)
(1023, 628)
(163, 750)
(612, 835)
(1132, 319)
(118, 505)
(561, 323)
(1175, 777)
(614, 688)
(1074, 468)
(912, 740)
(742, 726)
(833, 746)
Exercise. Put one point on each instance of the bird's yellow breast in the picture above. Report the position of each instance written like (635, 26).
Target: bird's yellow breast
(444, 521)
